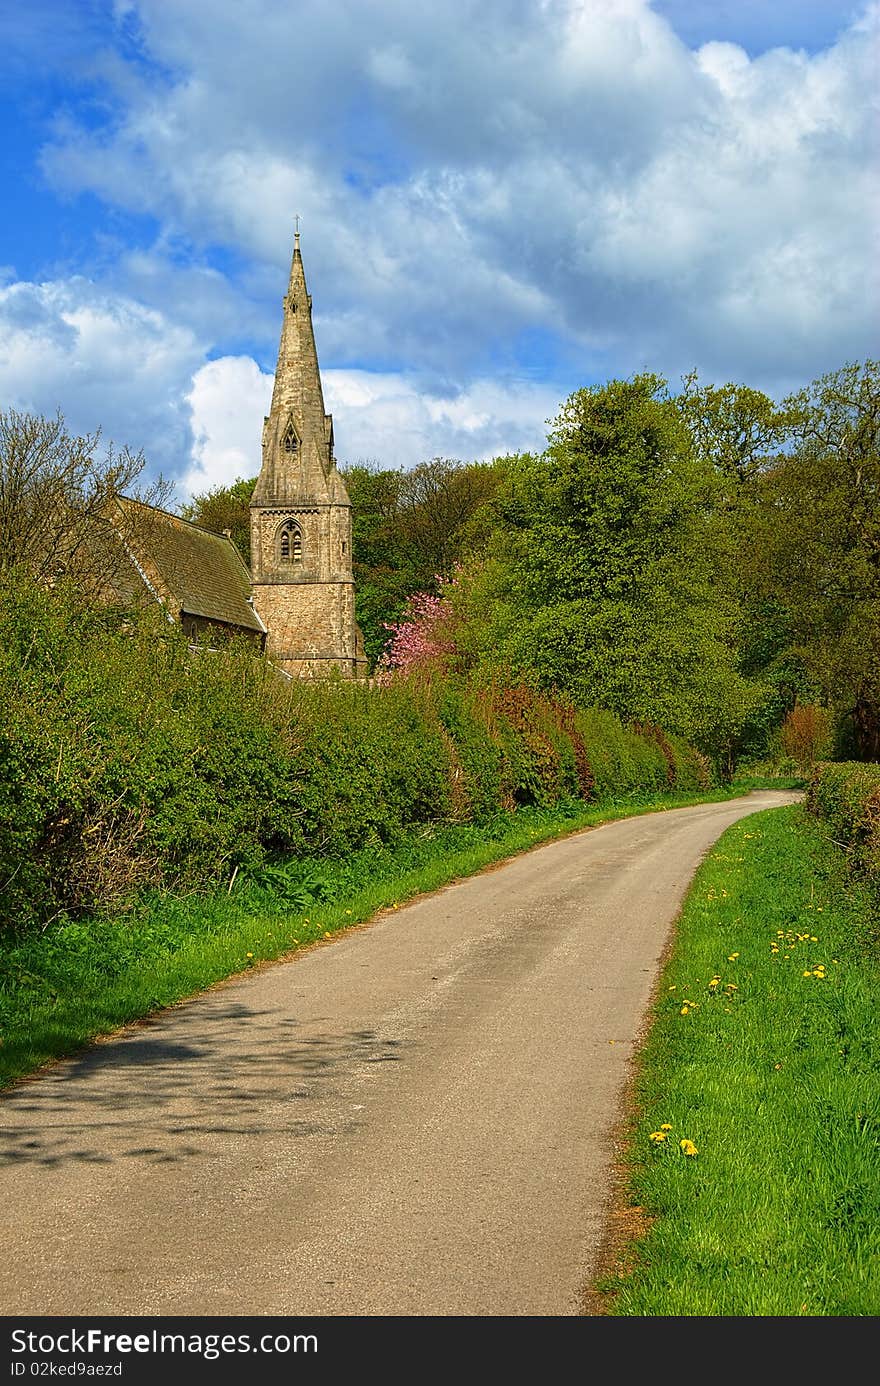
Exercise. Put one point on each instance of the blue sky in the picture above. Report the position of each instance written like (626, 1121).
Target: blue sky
(501, 202)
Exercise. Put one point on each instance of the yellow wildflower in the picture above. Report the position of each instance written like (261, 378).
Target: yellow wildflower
(684, 1010)
(732, 957)
(657, 1136)
(666, 1126)
(688, 1147)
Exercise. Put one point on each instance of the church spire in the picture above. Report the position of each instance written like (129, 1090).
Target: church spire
(301, 561)
(298, 434)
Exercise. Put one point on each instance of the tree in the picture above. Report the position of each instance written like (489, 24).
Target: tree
(225, 509)
(422, 642)
(811, 546)
(601, 580)
(56, 497)
(736, 430)
(439, 502)
(409, 528)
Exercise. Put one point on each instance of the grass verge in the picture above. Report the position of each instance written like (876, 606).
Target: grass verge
(761, 1062)
(85, 978)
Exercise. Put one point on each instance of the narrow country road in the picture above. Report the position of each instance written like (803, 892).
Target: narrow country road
(412, 1119)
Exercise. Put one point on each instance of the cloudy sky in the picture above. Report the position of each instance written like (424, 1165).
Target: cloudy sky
(501, 201)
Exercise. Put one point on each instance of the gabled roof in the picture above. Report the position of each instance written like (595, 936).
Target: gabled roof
(196, 571)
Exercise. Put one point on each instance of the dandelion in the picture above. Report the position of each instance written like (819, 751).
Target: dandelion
(249, 955)
(713, 983)
(688, 1147)
(732, 957)
(657, 1136)
(666, 1126)
(684, 1010)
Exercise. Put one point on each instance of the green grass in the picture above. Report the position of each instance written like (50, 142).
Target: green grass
(773, 1075)
(85, 978)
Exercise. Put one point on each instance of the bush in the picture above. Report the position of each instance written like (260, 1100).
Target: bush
(128, 760)
(807, 735)
(847, 797)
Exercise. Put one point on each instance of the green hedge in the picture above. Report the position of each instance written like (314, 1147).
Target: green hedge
(127, 760)
(847, 797)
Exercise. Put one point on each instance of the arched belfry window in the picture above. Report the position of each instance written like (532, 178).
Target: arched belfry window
(290, 542)
(291, 442)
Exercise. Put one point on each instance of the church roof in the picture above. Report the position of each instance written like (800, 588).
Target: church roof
(192, 568)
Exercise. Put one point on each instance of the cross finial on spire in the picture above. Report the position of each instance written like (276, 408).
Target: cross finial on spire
(296, 220)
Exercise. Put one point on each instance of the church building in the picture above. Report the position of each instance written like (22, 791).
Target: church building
(303, 588)
(297, 602)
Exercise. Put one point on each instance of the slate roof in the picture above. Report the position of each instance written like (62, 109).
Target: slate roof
(202, 573)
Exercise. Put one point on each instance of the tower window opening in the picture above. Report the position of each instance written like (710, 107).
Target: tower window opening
(290, 543)
(290, 441)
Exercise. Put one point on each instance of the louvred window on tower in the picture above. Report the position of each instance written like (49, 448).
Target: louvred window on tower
(291, 442)
(290, 542)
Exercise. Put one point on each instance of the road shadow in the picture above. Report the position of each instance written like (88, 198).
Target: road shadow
(173, 1090)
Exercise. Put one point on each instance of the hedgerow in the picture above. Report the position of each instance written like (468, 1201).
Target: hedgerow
(129, 760)
(847, 796)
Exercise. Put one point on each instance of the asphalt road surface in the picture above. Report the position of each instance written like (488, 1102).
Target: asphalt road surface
(414, 1118)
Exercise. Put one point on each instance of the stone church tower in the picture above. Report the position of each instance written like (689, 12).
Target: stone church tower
(303, 588)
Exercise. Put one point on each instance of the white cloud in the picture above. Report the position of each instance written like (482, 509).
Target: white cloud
(378, 417)
(106, 361)
(487, 191)
(228, 401)
(393, 420)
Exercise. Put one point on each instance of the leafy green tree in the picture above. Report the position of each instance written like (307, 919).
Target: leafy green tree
(811, 546)
(409, 529)
(601, 581)
(737, 431)
(382, 580)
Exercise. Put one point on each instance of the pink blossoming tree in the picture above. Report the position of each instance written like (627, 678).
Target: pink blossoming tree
(423, 640)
